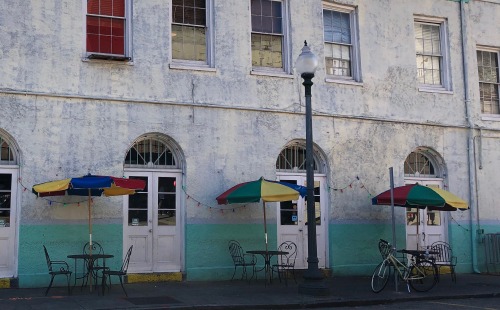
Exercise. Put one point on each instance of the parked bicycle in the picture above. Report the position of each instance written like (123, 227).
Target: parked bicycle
(419, 272)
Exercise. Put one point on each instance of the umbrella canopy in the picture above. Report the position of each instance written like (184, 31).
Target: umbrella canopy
(419, 196)
(262, 189)
(89, 185)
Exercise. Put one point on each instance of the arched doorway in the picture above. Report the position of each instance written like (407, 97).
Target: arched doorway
(153, 218)
(291, 215)
(9, 171)
(424, 227)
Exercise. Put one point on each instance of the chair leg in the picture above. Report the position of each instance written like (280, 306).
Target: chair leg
(234, 273)
(121, 282)
(68, 278)
(50, 285)
(453, 274)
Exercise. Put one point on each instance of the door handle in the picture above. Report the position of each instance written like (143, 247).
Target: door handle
(300, 230)
(150, 230)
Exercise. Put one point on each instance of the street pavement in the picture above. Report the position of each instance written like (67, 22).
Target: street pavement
(238, 294)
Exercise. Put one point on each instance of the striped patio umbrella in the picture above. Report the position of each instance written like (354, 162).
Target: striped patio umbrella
(262, 190)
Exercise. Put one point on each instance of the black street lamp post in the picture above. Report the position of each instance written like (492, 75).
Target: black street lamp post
(313, 283)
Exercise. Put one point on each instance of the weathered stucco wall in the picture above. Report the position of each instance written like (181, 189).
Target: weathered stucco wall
(70, 117)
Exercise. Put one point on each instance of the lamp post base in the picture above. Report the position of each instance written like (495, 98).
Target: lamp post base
(314, 283)
(314, 287)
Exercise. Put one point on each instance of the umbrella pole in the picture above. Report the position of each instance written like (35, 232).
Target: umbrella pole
(90, 234)
(265, 221)
(391, 177)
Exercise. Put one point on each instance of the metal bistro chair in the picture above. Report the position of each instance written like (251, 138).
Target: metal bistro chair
(119, 273)
(240, 259)
(444, 258)
(98, 264)
(53, 266)
(286, 262)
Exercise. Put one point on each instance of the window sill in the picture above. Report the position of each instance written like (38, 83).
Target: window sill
(271, 73)
(110, 60)
(439, 90)
(178, 66)
(490, 117)
(341, 81)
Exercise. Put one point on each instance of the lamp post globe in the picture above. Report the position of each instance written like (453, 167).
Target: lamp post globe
(313, 283)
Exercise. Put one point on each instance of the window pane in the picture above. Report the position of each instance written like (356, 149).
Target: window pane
(200, 17)
(119, 8)
(277, 28)
(267, 24)
(93, 6)
(178, 14)
(256, 7)
(257, 23)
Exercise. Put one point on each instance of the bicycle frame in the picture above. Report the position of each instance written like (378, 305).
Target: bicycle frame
(416, 272)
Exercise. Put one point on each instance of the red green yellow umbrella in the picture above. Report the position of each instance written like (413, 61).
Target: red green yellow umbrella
(262, 189)
(420, 196)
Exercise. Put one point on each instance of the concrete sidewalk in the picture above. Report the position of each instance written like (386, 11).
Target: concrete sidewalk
(343, 291)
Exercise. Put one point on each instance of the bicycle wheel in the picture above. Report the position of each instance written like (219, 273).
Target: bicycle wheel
(423, 276)
(381, 276)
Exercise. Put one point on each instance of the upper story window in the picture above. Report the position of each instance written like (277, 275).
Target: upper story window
(192, 32)
(489, 81)
(340, 35)
(269, 35)
(108, 27)
(431, 54)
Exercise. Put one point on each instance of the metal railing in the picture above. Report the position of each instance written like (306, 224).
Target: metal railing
(492, 252)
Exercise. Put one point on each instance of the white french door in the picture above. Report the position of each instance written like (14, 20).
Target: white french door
(152, 223)
(8, 222)
(292, 220)
(424, 227)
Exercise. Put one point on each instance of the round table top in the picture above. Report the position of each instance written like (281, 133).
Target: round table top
(418, 252)
(87, 256)
(268, 252)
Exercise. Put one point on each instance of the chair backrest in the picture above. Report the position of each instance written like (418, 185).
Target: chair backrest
(96, 248)
(47, 257)
(236, 252)
(291, 248)
(126, 260)
(444, 251)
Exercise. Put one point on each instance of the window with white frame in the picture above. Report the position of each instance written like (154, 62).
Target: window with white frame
(269, 35)
(108, 29)
(431, 54)
(489, 81)
(340, 35)
(192, 32)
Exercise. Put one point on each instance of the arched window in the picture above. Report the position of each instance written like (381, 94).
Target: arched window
(7, 154)
(152, 152)
(419, 165)
(293, 159)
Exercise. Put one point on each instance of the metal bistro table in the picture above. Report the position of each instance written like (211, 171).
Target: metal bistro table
(89, 260)
(267, 255)
(419, 253)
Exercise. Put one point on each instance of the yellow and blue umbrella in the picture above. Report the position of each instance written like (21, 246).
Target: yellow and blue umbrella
(89, 185)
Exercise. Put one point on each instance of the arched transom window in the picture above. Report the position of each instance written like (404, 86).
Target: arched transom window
(151, 152)
(419, 165)
(293, 159)
(7, 154)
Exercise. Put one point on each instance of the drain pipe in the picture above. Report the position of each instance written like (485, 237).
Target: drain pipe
(470, 143)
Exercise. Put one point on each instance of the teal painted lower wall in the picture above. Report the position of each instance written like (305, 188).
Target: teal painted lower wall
(60, 241)
(207, 253)
(353, 247)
